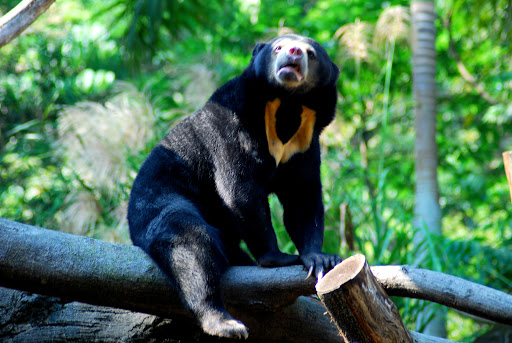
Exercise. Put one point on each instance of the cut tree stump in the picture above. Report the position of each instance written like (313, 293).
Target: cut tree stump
(361, 309)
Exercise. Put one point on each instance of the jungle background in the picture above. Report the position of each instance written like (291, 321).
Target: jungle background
(91, 87)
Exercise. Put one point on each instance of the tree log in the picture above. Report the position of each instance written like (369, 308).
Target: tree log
(64, 265)
(20, 17)
(30, 318)
(76, 268)
(422, 338)
(448, 290)
(352, 295)
(101, 273)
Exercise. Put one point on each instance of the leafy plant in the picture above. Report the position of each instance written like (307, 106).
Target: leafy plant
(147, 26)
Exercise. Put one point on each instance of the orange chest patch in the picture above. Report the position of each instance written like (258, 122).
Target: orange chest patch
(299, 142)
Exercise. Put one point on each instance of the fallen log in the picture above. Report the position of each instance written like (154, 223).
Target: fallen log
(448, 290)
(76, 268)
(64, 265)
(31, 318)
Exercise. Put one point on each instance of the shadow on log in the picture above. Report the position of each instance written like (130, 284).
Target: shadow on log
(272, 302)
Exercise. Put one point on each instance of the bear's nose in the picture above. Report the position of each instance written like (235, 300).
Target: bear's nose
(295, 52)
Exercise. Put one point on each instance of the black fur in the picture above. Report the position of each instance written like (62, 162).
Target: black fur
(205, 186)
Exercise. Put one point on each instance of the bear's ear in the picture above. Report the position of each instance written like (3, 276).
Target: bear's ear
(258, 48)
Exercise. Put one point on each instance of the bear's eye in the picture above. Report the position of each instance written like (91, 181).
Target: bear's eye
(311, 54)
(277, 49)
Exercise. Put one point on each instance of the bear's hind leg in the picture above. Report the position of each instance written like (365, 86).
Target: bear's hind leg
(192, 255)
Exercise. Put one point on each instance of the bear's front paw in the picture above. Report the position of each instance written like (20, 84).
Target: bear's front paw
(278, 259)
(319, 263)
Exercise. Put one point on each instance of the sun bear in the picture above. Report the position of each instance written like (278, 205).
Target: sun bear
(204, 188)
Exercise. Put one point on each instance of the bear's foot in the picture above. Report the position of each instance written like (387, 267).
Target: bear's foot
(223, 325)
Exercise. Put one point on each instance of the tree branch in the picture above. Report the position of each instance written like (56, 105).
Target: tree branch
(451, 291)
(64, 265)
(20, 17)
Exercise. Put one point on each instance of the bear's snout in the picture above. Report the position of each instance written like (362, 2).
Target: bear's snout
(291, 66)
(295, 53)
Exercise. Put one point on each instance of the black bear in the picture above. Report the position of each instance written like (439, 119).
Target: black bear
(204, 188)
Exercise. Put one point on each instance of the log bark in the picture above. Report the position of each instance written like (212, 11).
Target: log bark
(30, 318)
(60, 264)
(20, 17)
(33, 318)
(422, 338)
(352, 295)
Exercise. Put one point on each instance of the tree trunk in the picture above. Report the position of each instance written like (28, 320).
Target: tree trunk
(447, 290)
(427, 210)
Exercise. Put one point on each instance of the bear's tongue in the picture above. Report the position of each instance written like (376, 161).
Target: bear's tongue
(291, 69)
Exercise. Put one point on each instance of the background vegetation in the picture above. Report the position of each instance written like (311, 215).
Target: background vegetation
(92, 85)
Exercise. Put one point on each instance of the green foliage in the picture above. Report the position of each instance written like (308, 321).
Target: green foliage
(63, 82)
(147, 26)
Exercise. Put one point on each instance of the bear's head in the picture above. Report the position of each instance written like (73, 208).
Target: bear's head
(295, 63)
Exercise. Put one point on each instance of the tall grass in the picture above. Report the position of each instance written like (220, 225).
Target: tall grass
(354, 39)
(96, 141)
